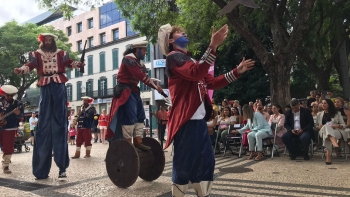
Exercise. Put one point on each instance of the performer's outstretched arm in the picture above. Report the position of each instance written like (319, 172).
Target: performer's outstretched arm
(182, 65)
(26, 68)
(133, 68)
(67, 62)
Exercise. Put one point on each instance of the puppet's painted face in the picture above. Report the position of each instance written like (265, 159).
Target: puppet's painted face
(179, 39)
(141, 53)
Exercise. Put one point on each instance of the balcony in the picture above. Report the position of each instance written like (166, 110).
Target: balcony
(99, 93)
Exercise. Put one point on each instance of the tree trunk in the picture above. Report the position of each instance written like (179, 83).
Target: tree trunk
(279, 76)
(342, 67)
(323, 81)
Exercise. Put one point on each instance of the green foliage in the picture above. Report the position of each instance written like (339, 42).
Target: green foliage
(17, 40)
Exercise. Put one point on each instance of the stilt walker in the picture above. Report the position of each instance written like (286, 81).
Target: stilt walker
(85, 123)
(13, 109)
(52, 129)
(127, 114)
(189, 80)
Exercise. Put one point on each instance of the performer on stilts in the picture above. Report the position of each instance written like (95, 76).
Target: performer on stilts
(52, 129)
(9, 125)
(189, 80)
(126, 118)
(85, 123)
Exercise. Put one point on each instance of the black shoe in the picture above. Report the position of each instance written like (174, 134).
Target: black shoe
(37, 178)
(328, 163)
(306, 157)
(95, 141)
(293, 157)
(100, 141)
(62, 175)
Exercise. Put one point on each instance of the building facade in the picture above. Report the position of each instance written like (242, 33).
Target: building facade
(107, 34)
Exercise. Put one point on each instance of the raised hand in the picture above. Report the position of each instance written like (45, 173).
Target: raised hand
(17, 71)
(245, 65)
(217, 37)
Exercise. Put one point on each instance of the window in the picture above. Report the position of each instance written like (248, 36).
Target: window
(80, 45)
(116, 34)
(144, 87)
(69, 92)
(79, 90)
(102, 62)
(90, 23)
(103, 38)
(129, 31)
(148, 56)
(78, 73)
(115, 81)
(89, 88)
(69, 30)
(102, 86)
(79, 27)
(91, 42)
(90, 65)
(68, 72)
(109, 15)
(115, 59)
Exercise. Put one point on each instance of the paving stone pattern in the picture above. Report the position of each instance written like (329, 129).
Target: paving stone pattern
(233, 177)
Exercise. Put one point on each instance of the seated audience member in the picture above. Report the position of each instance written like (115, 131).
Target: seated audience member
(314, 112)
(287, 108)
(331, 128)
(261, 110)
(224, 123)
(311, 99)
(237, 118)
(278, 118)
(259, 130)
(211, 123)
(339, 105)
(299, 124)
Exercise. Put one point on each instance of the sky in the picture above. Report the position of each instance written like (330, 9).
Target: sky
(18, 10)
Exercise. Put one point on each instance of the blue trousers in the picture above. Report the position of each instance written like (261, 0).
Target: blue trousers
(193, 154)
(132, 111)
(52, 130)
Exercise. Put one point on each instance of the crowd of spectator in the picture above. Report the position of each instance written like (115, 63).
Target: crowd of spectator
(317, 122)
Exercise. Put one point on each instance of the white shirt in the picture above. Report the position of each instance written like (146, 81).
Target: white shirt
(32, 120)
(200, 113)
(297, 120)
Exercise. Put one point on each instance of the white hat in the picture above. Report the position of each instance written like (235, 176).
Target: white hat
(49, 34)
(87, 98)
(138, 44)
(163, 38)
(8, 89)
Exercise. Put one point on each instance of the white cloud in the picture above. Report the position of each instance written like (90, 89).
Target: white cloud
(19, 10)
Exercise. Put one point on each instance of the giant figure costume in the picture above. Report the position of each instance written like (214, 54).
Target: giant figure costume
(189, 80)
(85, 123)
(9, 124)
(126, 118)
(52, 129)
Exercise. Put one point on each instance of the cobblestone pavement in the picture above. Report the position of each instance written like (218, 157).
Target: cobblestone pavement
(233, 177)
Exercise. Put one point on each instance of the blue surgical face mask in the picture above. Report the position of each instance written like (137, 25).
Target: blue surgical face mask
(139, 53)
(182, 41)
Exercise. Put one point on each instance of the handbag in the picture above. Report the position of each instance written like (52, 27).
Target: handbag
(118, 90)
(245, 139)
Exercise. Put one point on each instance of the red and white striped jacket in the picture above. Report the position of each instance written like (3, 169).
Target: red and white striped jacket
(49, 65)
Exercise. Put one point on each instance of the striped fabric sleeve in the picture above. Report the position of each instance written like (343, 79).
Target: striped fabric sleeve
(208, 57)
(231, 76)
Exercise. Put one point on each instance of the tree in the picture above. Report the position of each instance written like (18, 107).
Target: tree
(15, 42)
(288, 22)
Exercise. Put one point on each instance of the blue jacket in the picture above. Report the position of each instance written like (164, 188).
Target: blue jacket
(259, 124)
(86, 117)
(12, 120)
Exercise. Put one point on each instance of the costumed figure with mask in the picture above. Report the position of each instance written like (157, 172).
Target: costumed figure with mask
(189, 81)
(127, 115)
(85, 123)
(52, 129)
(13, 109)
